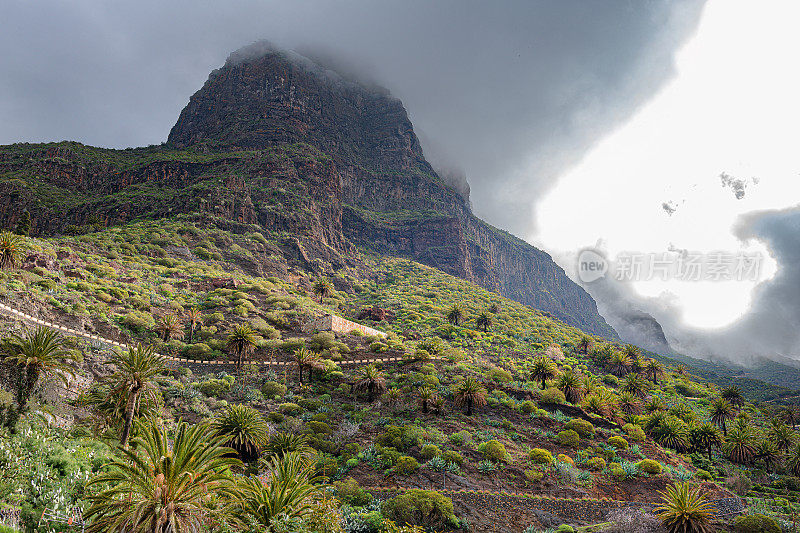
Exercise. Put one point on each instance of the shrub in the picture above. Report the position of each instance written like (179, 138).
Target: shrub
(273, 389)
(703, 475)
(540, 456)
(635, 433)
(584, 428)
(214, 387)
(426, 508)
(349, 492)
(406, 465)
(618, 442)
(309, 404)
(527, 407)
(533, 475)
(319, 427)
(197, 351)
(139, 321)
(493, 450)
(565, 528)
(321, 341)
(755, 523)
(429, 451)
(451, 456)
(596, 463)
(290, 409)
(565, 459)
(460, 438)
(649, 466)
(552, 396)
(275, 417)
(568, 437)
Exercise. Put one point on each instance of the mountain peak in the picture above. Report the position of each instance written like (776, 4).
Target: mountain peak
(263, 96)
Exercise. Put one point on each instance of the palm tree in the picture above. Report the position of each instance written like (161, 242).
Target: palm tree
(780, 434)
(739, 446)
(790, 415)
(425, 396)
(629, 403)
(161, 485)
(323, 289)
(767, 451)
(108, 406)
(571, 385)
(584, 344)
(686, 509)
(195, 318)
(370, 380)
(653, 370)
(246, 430)
(654, 404)
(543, 369)
(168, 327)
(720, 412)
(281, 444)
(619, 364)
(455, 314)
(733, 395)
(305, 358)
(705, 437)
(12, 246)
(393, 397)
(598, 404)
(634, 385)
(471, 393)
(681, 370)
(601, 355)
(631, 351)
(288, 492)
(242, 342)
(793, 461)
(484, 321)
(133, 379)
(672, 433)
(40, 351)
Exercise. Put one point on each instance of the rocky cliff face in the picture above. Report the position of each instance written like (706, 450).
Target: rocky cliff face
(393, 200)
(276, 140)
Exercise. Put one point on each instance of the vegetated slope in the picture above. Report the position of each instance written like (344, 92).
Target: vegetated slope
(120, 281)
(275, 140)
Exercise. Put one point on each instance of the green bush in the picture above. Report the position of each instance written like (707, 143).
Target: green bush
(214, 387)
(460, 438)
(568, 437)
(527, 407)
(197, 351)
(755, 523)
(273, 389)
(139, 321)
(584, 428)
(552, 396)
(319, 427)
(290, 409)
(618, 442)
(703, 475)
(451, 456)
(540, 456)
(349, 492)
(425, 508)
(635, 433)
(493, 450)
(275, 417)
(309, 404)
(649, 466)
(429, 451)
(596, 463)
(406, 465)
(565, 528)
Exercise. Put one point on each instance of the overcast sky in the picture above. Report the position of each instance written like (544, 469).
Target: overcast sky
(544, 105)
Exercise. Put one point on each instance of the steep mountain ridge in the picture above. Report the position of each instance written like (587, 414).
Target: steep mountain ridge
(327, 163)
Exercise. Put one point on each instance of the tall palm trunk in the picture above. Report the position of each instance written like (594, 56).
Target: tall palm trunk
(191, 333)
(130, 408)
(28, 378)
(300, 373)
(469, 406)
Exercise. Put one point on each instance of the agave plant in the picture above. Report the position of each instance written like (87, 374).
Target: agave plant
(246, 430)
(164, 486)
(287, 492)
(686, 509)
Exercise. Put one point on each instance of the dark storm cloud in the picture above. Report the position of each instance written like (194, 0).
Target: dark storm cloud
(510, 93)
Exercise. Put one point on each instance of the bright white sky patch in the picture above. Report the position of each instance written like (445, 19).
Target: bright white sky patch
(732, 108)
